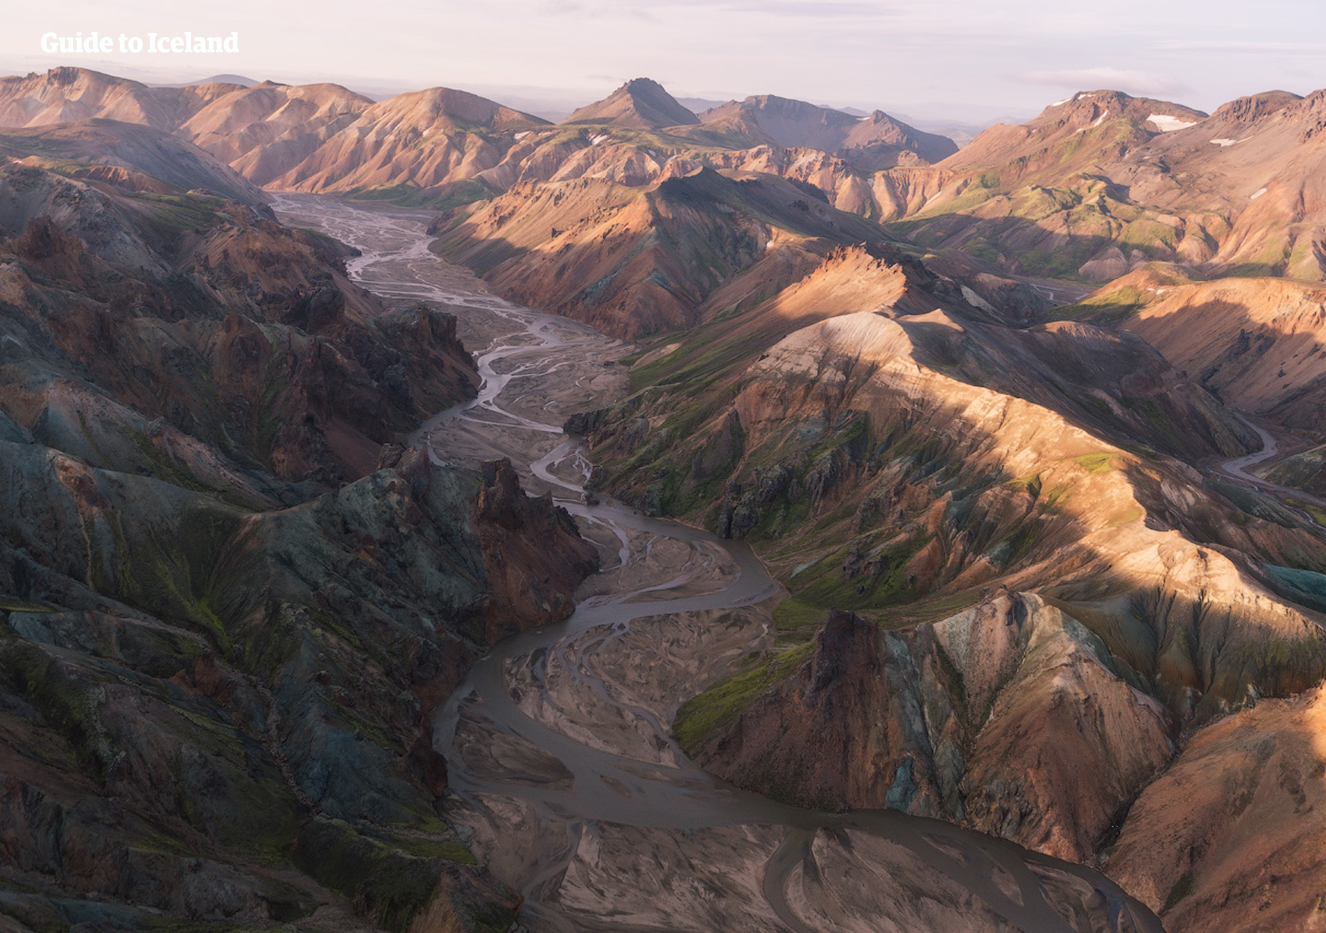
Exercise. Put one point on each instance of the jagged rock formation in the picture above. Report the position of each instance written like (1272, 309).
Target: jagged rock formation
(991, 718)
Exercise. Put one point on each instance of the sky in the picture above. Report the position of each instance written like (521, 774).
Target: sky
(959, 60)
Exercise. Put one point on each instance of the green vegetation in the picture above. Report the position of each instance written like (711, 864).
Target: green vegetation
(1096, 463)
(67, 704)
(437, 198)
(198, 571)
(716, 709)
(1181, 889)
(386, 883)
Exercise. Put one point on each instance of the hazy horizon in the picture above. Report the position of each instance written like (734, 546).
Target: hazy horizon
(964, 63)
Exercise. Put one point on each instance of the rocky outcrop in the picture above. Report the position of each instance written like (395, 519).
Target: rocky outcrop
(226, 678)
(990, 718)
(533, 553)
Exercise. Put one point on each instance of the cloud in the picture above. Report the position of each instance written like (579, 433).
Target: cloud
(1237, 45)
(1114, 79)
(757, 9)
(815, 8)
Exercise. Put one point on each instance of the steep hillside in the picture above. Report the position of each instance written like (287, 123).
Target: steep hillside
(228, 603)
(229, 329)
(632, 261)
(145, 155)
(1255, 342)
(1033, 587)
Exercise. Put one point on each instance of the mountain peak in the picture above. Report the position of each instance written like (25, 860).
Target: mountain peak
(641, 104)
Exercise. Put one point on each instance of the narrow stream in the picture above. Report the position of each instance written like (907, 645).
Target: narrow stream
(580, 798)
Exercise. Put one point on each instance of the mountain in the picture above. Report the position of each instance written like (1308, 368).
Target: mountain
(144, 156)
(1102, 183)
(230, 599)
(278, 360)
(261, 130)
(635, 260)
(639, 104)
(1028, 584)
(869, 142)
(422, 139)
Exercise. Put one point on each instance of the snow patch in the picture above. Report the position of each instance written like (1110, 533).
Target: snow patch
(976, 301)
(523, 133)
(599, 138)
(1060, 103)
(1256, 194)
(1222, 142)
(1100, 119)
(1168, 124)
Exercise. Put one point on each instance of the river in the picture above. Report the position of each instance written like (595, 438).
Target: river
(560, 760)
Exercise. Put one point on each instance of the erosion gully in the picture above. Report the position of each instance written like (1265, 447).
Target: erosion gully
(560, 760)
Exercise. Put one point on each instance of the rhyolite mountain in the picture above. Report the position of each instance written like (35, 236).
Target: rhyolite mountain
(228, 600)
(870, 142)
(639, 104)
(261, 130)
(444, 147)
(1041, 600)
(970, 407)
(1102, 183)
